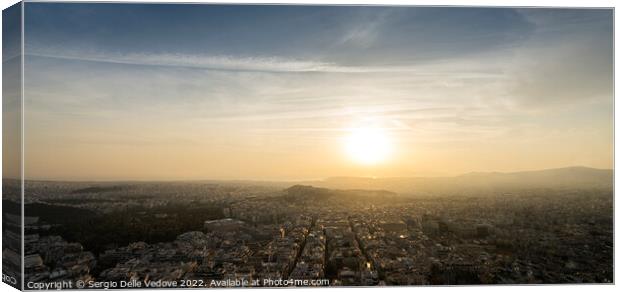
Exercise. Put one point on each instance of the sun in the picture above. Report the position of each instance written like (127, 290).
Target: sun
(367, 145)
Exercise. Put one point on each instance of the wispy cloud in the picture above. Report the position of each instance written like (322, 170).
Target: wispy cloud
(266, 64)
(365, 32)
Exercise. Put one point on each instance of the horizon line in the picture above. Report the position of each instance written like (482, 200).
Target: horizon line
(147, 180)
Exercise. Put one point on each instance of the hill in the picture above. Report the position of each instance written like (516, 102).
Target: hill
(309, 193)
(559, 178)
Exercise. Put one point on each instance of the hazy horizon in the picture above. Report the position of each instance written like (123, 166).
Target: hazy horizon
(306, 92)
(303, 180)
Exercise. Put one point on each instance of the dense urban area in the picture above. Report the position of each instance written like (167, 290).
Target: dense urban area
(214, 234)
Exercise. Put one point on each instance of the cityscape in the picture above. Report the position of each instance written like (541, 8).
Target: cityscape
(236, 234)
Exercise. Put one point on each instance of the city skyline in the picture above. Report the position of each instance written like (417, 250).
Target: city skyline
(299, 92)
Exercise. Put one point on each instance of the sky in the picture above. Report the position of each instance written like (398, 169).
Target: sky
(164, 92)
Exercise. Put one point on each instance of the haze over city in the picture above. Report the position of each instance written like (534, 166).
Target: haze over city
(308, 92)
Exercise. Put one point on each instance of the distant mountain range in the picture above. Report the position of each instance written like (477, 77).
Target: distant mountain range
(559, 178)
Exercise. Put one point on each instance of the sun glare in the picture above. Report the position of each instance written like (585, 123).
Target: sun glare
(368, 145)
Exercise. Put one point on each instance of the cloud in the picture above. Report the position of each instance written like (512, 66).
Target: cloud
(566, 76)
(365, 31)
(222, 62)
(567, 62)
(218, 62)
(267, 64)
